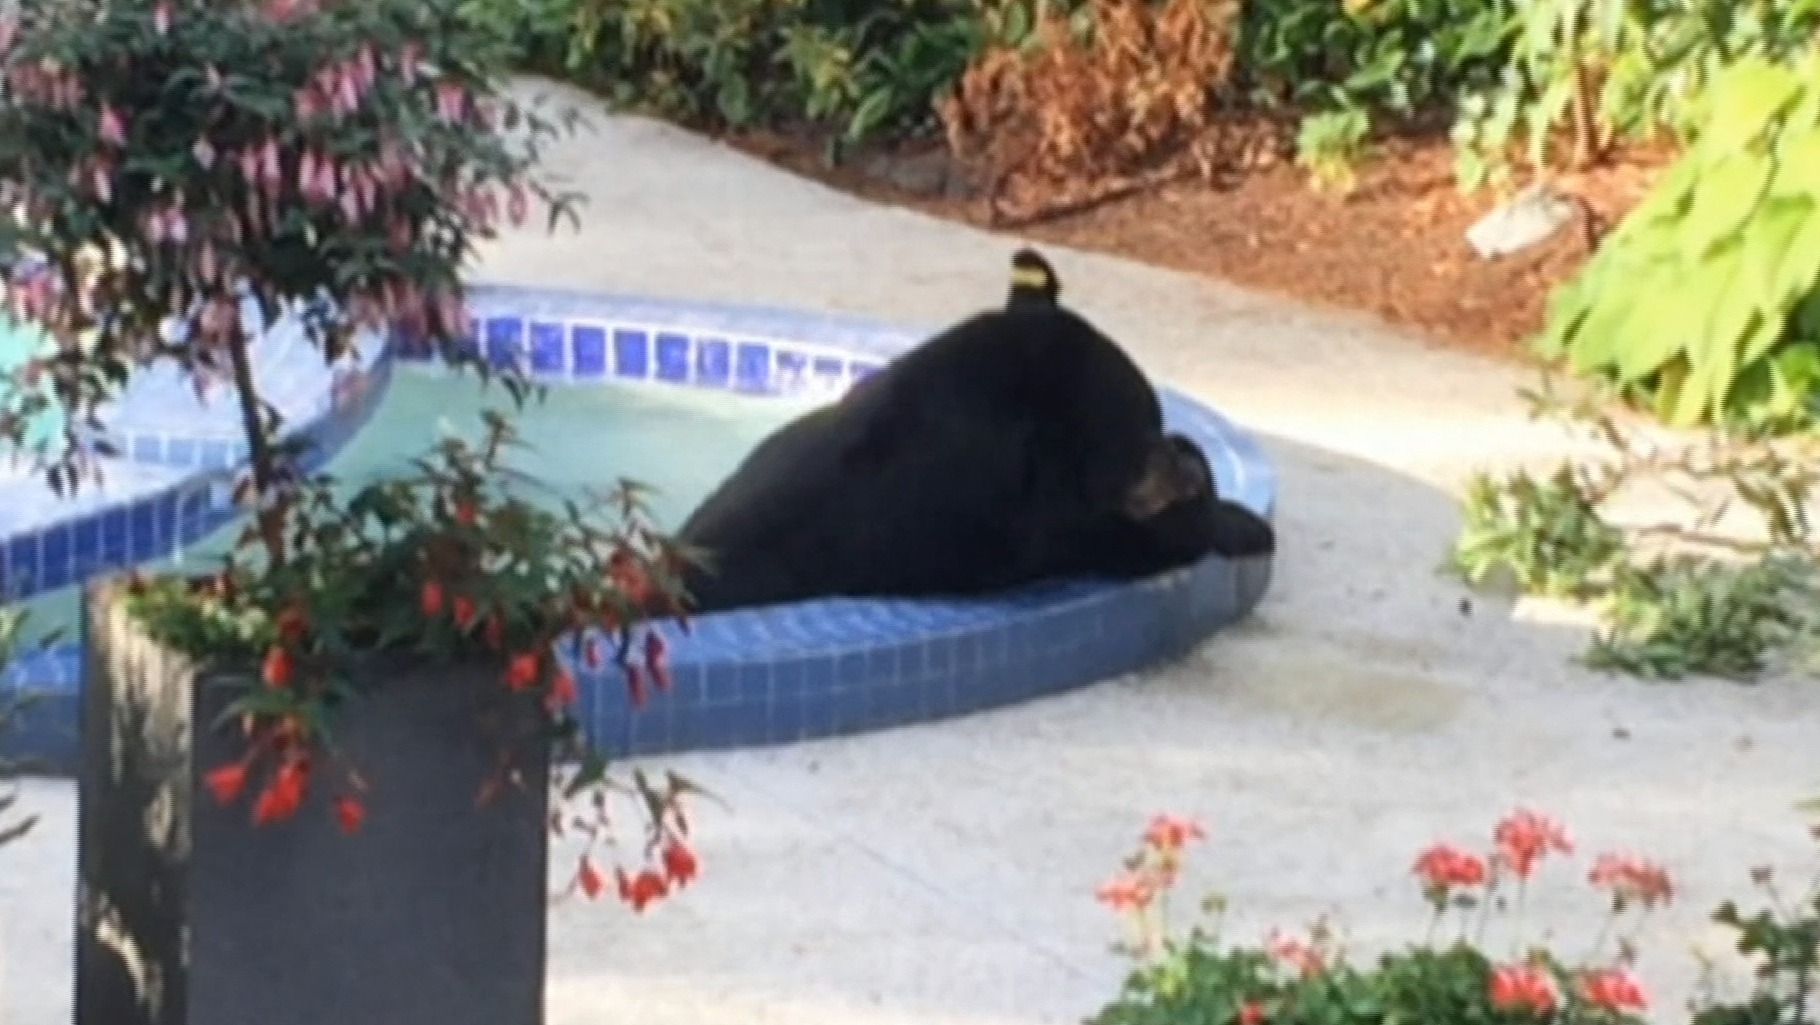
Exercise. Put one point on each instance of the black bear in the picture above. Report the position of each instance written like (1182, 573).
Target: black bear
(1018, 445)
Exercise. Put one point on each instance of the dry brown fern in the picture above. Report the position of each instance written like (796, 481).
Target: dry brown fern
(1071, 121)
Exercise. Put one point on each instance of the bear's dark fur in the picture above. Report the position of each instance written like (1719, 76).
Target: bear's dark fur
(1019, 445)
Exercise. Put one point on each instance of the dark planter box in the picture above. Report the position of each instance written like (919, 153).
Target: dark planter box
(432, 914)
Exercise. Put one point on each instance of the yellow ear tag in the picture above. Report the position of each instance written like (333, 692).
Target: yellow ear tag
(1029, 277)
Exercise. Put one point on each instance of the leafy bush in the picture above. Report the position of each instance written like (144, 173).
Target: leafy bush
(1677, 595)
(1397, 57)
(1585, 75)
(1704, 303)
(860, 67)
(1309, 981)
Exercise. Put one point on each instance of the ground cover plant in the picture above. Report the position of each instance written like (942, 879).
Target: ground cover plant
(1479, 960)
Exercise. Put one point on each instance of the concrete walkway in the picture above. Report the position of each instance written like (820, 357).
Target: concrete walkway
(944, 874)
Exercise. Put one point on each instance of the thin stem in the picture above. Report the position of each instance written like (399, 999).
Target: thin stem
(269, 512)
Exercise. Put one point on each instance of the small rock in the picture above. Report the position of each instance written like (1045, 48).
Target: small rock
(1529, 217)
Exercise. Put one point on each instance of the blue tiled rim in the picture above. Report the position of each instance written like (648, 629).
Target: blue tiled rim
(832, 667)
(835, 667)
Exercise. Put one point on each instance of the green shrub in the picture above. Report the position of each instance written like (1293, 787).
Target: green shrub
(860, 67)
(1703, 303)
(1586, 75)
(1400, 57)
(1675, 596)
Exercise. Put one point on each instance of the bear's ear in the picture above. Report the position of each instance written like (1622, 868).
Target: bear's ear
(1033, 280)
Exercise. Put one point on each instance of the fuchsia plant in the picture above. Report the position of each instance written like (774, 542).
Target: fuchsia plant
(165, 162)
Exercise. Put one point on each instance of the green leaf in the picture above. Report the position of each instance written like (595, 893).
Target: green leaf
(1743, 101)
(1767, 240)
(1727, 194)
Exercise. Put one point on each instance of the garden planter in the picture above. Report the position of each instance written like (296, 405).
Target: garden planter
(432, 913)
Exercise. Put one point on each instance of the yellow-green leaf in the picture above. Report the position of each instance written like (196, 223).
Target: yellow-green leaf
(1727, 194)
(1744, 100)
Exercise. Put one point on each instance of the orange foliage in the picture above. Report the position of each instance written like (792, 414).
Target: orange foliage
(1073, 120)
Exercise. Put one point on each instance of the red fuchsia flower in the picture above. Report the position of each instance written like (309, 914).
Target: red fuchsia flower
(349, 813)
(1524, 837)
(562, 691)
(523, 670)
(1613, 989)
(226, 782)
(277, 669)
(432, 599)
(1522, 986)
(1169, 833)
(284, 794)
(1129, 891)
(1632, 879)
(680, 863)
(1295, 952)
(1445, 866)
(589, 879)
(1251, 1013)
(640, 890)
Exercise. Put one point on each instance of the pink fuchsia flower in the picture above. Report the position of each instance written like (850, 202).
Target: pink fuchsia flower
(1632, 879)
(1445, 866)
(1522, 986)
(1613, 989)
(112, 127)
(1169, 833)
(1524, 837)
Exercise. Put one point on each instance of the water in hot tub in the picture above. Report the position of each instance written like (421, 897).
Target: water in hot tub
(578, 440)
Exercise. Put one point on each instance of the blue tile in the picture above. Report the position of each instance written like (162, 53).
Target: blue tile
(15, 578)
(828, 372)
(631, 353)
(590, 344)
(116, 535)
(788, 680)
(217, 455)
(850, 672)
(753, 367)
(505, 341)
(87, 541)
(750, 725)
(862, 369)
(752, 683)
(717, 725)
(55, 560)
(148, 448)
(881, 667)
(912, 661)
(792, 370)
(672, 357)
(180, 451)
(546, 347)
(721, 683)
(713, 362)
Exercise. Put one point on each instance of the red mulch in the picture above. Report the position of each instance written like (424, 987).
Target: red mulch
(1395, 247)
